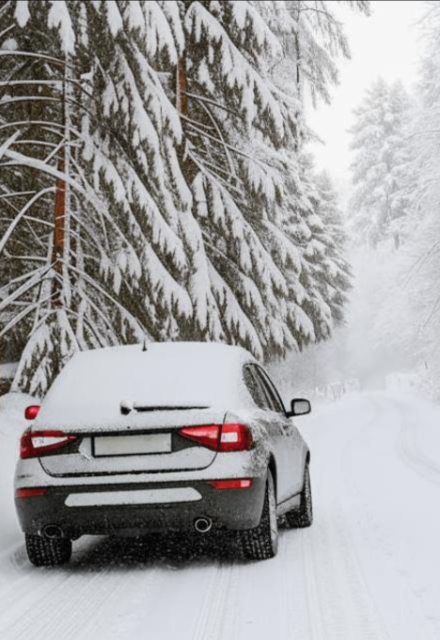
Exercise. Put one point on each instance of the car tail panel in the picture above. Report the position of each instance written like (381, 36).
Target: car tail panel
(154, 446)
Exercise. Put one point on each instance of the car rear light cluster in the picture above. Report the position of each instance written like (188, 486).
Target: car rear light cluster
(226, 437)
(34, 444)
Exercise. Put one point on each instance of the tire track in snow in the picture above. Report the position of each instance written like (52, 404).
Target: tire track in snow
(311, 589)
(219, 608)
(25, 574)
(340, 604)
(66, 607)
(65, 610)
(411, 455)
(373, 533)
(295, 601)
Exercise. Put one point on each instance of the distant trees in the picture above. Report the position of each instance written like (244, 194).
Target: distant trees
(396, 199)
(381, 169)
(154, 181)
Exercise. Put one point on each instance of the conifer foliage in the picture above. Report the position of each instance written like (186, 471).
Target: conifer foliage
(153, 178)
(382, 163)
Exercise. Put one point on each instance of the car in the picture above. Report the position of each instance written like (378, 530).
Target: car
(162, 437)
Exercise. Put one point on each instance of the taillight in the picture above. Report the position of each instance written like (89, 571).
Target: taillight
(227, 437)
(30, 493)
(243, 483)
(206, 435)
(34, 444)
(235, 437)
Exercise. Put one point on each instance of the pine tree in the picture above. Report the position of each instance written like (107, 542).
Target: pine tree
(381, 167)
(335, 273)
(173, 196)
(100, 281)
(245, 131)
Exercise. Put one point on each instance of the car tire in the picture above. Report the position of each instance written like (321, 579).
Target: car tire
(302, 516)
(44, 552)
(261, 543)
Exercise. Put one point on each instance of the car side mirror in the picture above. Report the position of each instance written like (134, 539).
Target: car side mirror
(299, 407)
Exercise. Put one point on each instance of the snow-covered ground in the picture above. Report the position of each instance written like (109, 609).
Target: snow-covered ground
(367, 569)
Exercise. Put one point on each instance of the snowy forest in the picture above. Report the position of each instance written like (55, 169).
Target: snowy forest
(393, 211)
(390, 337)
(156, 181)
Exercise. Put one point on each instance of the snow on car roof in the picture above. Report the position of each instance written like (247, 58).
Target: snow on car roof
(94, 383)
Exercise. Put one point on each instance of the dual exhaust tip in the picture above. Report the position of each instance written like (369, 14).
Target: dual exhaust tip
(202, 525)
(53, 532)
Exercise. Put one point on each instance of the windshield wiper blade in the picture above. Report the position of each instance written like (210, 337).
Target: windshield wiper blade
(128, 407)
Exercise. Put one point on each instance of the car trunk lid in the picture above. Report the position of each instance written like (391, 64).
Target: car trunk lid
(144, 441)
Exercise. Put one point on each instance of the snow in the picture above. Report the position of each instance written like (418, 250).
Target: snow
(365, 570)
(93, 384)
(114, 17)
(7, 370)
(59, 16)
(22, 14)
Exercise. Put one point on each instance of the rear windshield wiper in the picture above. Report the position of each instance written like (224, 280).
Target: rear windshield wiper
(128, 407)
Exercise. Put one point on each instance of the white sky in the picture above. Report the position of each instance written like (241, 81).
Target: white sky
(385, 44)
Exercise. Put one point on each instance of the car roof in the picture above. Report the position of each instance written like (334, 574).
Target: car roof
(224, 353)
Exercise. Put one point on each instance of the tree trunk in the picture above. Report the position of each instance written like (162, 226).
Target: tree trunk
(182, 87)
(60, 211)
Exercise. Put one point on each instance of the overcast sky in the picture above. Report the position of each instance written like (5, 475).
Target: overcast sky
(385, 44)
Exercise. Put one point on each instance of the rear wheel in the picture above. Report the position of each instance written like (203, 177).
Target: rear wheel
(302, 516)
(44, 552)
(261, 543)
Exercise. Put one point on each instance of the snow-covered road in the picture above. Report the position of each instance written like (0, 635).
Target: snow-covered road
(367, 569)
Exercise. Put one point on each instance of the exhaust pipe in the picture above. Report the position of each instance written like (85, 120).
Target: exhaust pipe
(202, 525)
(52, 531)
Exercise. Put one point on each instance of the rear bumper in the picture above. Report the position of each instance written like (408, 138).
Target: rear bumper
(232, 509)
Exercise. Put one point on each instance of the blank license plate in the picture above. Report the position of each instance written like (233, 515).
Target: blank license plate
(132, 445)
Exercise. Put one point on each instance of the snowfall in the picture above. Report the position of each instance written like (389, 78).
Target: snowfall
(366, 569)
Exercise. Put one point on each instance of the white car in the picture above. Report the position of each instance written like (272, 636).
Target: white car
(171, 437)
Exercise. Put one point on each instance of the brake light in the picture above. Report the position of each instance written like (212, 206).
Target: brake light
(34, 444)
(30, 493)
(227, 437)
(31, 412)
(235, 437)
(243, 483)
(206, 435)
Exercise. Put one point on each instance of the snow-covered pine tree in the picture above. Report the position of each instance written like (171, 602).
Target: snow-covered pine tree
(120, 275)
(187, 214)
(333, 270)
(381, 171)
(312, 37)
(244, 135)
(422, 267)
(236, 126)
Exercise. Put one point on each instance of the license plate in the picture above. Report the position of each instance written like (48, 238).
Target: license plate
(132, 445)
